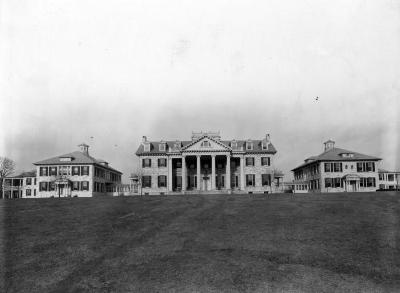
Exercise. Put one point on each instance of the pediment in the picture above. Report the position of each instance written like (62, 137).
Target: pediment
(206, 144)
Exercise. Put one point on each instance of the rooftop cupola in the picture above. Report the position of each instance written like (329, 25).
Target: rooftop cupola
(330, 144)
(84, 148)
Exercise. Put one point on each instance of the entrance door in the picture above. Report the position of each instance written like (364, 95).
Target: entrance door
(352, 186)
(60, 190)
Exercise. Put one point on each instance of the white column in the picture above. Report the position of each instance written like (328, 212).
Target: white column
(198, 172)
(212, 172)
(228, 173)
(183, 173)
(169, 174)
(242, 173)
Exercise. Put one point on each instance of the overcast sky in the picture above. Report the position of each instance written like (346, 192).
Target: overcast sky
(118, 70)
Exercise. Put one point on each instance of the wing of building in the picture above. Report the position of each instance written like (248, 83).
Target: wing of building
(337, 170)
(76, 174)
(206, 163)
(23, 185)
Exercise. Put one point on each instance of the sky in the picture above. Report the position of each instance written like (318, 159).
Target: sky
(109, 72)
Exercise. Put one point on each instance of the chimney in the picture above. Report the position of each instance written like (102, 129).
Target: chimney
(84, 148)
(144, 139)
(267, 139)
(330, 144)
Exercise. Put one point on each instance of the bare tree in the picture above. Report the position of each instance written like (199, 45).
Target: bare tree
(7, 167)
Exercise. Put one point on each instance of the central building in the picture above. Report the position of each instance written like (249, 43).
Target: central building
(206, 164)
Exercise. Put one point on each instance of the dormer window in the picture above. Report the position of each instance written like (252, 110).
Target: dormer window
(234, 144)
(347, 155)
(264, 145)
(249, 145)
(177, 145)
(206, 144)
(161, 147)
(65, 159)
(147, 147)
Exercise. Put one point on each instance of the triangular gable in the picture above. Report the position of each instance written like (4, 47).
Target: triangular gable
(214, 145)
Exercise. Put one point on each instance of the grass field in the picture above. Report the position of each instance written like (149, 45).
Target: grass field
(237, 243)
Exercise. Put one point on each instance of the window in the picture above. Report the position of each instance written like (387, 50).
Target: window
(381, 176)
(52, 186)
(234, 144)
(147, 147)
(84, 170)
(264, 146)
(43, 186)
(366, 167)
(65, 159)
(53, 171)
(206, 144)
(249, 161)
(336, 182)
(34, 192)
(75, 171)
(250, 180)
(75, 185)
(391, 177)
(43, 171)
(370, 167)
(265, 161)
(328, 182)
(28, 192)
(345, 166)
(64, 170)
(266, 179)
(338, 167)
(249, 145)
(146, 163)
(162, 162)
(85, 185)
(161, 147)
(370, 182)
(146, 181)
(162, 181)
(28, 181)
(327, 167)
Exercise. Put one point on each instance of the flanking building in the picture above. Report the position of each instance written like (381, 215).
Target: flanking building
(207, 164)
(337, 170)
(23, 185)
(76, 174)
(389, 180)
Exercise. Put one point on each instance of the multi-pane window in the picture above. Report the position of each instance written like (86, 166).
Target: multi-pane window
(75, 185)
(85, 185)
(64, 170)
(327, 167)
(234, 145)
(161, 147)
(206, 144)
(162, 162)
(333, 167)
(28, 181)
(266, 179)
(328, 182)
(28, 192)
(76, 170)
(381, 176)
(52, 186)
(250, 161)
(146, 163)
(337, 167)
(391, 177)
(53, 171)
(264, 146)
(43, 186)
(43, 171)
(336, 182)
(146, 181)
(147, 147)
(84, 170)
(162, 181)
(250, 180)
(265, 161)
(366, 167)
(249, 145)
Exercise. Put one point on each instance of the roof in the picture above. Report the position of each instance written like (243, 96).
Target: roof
(77, 159)
(334, 155)
(386, 171)
(154, 146)
(24, 174)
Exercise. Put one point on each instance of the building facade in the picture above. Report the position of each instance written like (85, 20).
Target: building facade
(23, 185)
(336, 170)
(207, 164)
(76, 174)
(389, 180)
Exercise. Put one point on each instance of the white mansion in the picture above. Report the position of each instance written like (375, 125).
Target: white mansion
(208, 164)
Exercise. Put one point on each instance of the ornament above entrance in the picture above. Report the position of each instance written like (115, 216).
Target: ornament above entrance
(206, 144)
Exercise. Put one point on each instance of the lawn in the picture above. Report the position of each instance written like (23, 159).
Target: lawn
(232, 243)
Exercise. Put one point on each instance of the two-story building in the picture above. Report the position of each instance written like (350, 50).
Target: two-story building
(76, 174)
(207, 164)
(336, 170)
(23, 185)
